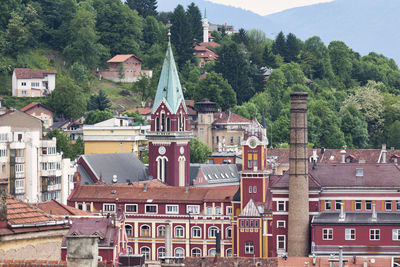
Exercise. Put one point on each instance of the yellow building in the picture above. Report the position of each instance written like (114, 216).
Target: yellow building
(116, 135)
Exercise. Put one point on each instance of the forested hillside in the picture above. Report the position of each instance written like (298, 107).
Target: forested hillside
(353, 100)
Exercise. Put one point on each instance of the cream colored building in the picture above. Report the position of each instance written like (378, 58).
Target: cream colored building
(31, 164)
(115, 135)
(33, 83)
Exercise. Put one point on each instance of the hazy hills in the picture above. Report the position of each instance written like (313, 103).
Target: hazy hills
(364, 25)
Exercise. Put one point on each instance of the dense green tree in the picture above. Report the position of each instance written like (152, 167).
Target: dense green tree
(394, 135)
(240, 37)
(67, 99)
(293, 47)
(256, 42)
(99, 101)
(83, 45)
(65, 146)
(145, 88)
(247, 110)
(195, 24)
(153, 32)
(181, 36)
(269, 59)
(16, 35)
(341, 61)
(354, 127)
(6, 8)
(137, 117)
(199, 152)
(217, 89)
(95, 116)
(143, 7)
(234, 65)
(280, 130)
(279, 45)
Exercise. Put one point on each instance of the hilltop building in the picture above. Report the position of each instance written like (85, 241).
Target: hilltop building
(33, 83)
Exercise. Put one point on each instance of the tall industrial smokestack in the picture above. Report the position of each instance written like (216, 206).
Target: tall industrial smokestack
(298, 232)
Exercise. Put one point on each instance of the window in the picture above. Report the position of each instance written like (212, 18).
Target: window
(19, 168)
(229, 210)
(19, 186)
(281, 205)
(388, 205)
(151, 208)
(172, 209)
(3, 137)
(196, 232)
(241, 223)
(327, 234)
(145, 230)
(228, 252)
(34, 84)
(161, 252)
(193, 209)
(212, 252)
(368, 205)
(128, 229)
(338, 204)
(209, 119)
(281, 224)
(109, 207)
(23, 84)
(231, 140)
(212, 232)
(249, 248)
(254, 189)
(247, 223)
(196, 252)
(250, 189)
(129, 250)
(80, 206)
(161, 230)
(3, 152)
(350, 234)
(358, 204)
(397, 204)
(179, 252)
(88, 207)
(281, 242)
(328, 204)
(201, 131)
(217, 210)
(374, 234)
(359, 171)
(146, 252)
(395, 234)
(228, 233)
(131, 208)
(209, 210)
(179, 231)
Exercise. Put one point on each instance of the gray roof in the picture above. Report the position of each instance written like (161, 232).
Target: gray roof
(126, 166)
(250, 210)
(357, 218)
(215, 173)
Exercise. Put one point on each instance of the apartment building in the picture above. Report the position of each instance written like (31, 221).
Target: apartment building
(31, 164)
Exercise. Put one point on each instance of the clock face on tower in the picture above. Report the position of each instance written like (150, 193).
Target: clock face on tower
(182, 150)
(161, 150)
(252, 142)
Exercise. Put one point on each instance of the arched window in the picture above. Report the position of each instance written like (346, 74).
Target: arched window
(157, 124)
(146, 252)
(162, 122)
(161, 252)
(128, 229)
(129, 250)
(196, 232)
(181, 160)
(196, 252)
(254, 189)
(179, 253)
(161, 231)
(212, 232)
(145, 230)
(228, 233)
(162, 168)
(211, 252)
(179, 231)
(168, 124)
(228, 252)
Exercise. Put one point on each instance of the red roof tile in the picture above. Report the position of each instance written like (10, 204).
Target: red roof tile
(32, 105)
(212, 44)
(54, 207)
(122, 58)
(228, 117)
(142, 111)
(23, 73)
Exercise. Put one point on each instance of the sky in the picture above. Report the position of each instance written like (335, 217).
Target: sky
(266, 7)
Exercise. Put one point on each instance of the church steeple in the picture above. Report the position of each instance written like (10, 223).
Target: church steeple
(169, 88)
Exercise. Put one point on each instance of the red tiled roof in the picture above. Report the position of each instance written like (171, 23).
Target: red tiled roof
(135, 192)
(229, 117)
(189, 103)
(142, 111)
(32, 105)
(122, 58)
(23, 73)
(54, 207)
(212, 44)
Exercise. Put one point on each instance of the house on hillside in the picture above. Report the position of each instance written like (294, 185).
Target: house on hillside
(204, 53)
(124, 68)
(41, 112)
(33, 83)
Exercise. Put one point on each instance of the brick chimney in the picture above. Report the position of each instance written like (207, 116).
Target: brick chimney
(3, 204)
(298, 232)
(82, 251)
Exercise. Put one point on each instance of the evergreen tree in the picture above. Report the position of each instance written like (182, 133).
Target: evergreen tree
(143, 7)
(95, 116)
(240, 37)
(293, 47)
(279, 46)
(181, 36)
(16, 35)
(195, 24)
(354, 127)
(269, 59)
(100, 101)
(394, 135)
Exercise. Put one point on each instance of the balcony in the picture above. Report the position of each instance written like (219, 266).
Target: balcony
(17, 145)
(54, 187)
(20, 175)
(19, 159)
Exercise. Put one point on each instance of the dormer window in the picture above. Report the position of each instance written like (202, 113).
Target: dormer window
(359, 172)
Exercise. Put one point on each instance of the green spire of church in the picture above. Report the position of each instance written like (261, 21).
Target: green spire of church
(169, 87)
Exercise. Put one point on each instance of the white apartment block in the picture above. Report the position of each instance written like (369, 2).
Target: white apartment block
(33, 83)
(31, 164)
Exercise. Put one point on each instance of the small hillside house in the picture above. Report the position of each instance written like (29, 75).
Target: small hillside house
(33, 83)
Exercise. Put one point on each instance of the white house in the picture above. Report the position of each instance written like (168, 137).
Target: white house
(33, 83)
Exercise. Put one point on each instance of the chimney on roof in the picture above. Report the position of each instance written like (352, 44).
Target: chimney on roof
(115, 179)
(384, 151)
(374, 214)
(3, 204)
(187, 189)
(298, 235)
(144, 187)
(82, 250)
(343, 153)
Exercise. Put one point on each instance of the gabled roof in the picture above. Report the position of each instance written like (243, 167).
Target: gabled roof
(169, 88)
(228, 117)
(250, 210)
(220, 173)
(53, 207)
(24, 73)
(20, 120)
(122, 58)
(32, 105)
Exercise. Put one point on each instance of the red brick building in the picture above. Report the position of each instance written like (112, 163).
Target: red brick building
(41, 112)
